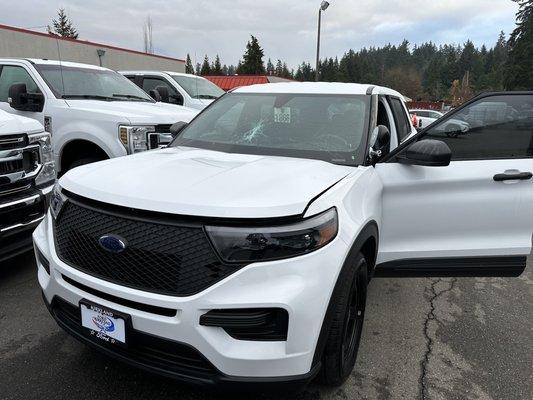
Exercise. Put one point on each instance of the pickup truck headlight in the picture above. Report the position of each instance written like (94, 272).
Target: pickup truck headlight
(57, 201)
(47, 174)
(134, 138)
(240, 244)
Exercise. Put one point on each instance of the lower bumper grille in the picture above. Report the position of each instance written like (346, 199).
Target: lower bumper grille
(159, 257)
(150, 352)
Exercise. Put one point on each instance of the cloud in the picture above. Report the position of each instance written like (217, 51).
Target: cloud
(286, 30)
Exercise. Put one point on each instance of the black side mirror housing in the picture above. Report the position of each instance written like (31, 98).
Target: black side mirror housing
(427, 152)
(163, 92)
(380, 142)
(176, 128)
(178, 98)
(20, 99)
(154, 94)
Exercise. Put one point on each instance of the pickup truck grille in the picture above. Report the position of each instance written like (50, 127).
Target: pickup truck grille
(9, 142)
(160, 257)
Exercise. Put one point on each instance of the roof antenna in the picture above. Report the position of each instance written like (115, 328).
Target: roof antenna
(60, 68)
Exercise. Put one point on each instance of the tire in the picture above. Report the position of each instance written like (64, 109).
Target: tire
(344, 336)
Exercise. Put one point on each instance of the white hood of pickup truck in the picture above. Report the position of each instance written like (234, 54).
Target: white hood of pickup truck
(136, 112)
(11, 124)
(206, 183)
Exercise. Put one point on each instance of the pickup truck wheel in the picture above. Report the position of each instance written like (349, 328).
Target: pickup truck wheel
(83, 161)
(344, 335)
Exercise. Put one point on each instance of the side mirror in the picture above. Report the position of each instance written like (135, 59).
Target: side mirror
(20, 99)
(178, 99)
(379, 141)
(427, 152)
(163, 92)
(176, 128)
(154, 94)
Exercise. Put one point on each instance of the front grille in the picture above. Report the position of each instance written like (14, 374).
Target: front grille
(160, 257)
(9, 142)
(142, 349)
(20, 212)
(162, 128)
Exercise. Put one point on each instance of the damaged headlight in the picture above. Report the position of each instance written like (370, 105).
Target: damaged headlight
(245, 244)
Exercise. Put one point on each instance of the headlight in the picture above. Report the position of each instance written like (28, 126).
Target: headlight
(135, 138)
(57, 201)
(47, 174)
(236, 244)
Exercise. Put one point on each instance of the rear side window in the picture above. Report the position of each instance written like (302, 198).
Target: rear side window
(496, 127)
(403, 126)
(11, 74)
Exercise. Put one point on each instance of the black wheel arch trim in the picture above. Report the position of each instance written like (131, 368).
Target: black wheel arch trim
(369, 231)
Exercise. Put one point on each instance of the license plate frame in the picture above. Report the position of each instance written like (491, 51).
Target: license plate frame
(119, 336)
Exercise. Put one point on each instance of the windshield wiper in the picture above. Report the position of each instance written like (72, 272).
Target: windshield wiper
(130, 96)
(206, 96)
(87, 96)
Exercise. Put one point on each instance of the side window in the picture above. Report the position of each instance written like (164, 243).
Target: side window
(11, 74)
(152, 83)
(434, 115)
(403, 126)
(495, 127)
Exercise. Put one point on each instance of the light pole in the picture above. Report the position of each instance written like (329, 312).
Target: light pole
(323, 6)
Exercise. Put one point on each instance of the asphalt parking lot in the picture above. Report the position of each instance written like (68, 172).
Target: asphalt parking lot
(423, 339)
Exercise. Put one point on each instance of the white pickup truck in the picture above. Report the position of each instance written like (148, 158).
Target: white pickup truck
(176, 88)
(27, 176)
(242, 251)
(92, 113)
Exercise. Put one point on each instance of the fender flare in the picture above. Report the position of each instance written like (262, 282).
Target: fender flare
(369, 231)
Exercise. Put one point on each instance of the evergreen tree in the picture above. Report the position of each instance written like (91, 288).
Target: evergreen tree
(206, 68)
(232, 70)
(217, 67)
(519, 67)
(279, 68)
(252, 63)
(270, 68)
(225, 70)
(198, 69)
(62, 26)
(189, 69)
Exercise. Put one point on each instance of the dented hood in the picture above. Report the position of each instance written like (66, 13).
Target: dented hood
(190, 181)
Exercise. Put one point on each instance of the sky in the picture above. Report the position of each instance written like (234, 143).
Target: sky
(285, 29)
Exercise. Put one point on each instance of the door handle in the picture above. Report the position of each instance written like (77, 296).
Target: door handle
(514, 176)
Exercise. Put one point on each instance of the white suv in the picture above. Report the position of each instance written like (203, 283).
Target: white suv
(242, 252)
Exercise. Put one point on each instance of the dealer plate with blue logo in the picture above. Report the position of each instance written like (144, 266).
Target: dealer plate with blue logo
(103, 324)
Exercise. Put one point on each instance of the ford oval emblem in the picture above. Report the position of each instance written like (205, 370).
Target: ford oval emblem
(112, 243)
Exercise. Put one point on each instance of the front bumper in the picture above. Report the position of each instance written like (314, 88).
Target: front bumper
(25, 212)
(302, 286)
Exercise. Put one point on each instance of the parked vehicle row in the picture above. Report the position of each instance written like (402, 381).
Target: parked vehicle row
(241, 253)
(27, 175)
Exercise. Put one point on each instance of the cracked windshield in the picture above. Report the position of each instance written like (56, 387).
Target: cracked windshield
(325, 127)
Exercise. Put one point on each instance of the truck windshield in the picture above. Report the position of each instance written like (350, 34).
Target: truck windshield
(89, 83)
(198, 88)
(332, 128)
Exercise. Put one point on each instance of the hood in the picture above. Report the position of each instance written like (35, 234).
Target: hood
(136, 112)
(12, 124)
(190, 181)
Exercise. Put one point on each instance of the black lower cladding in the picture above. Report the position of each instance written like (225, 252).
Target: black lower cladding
(164, 257)
(161, 355)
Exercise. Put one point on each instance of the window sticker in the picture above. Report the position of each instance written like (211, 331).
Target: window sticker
(282, 115)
